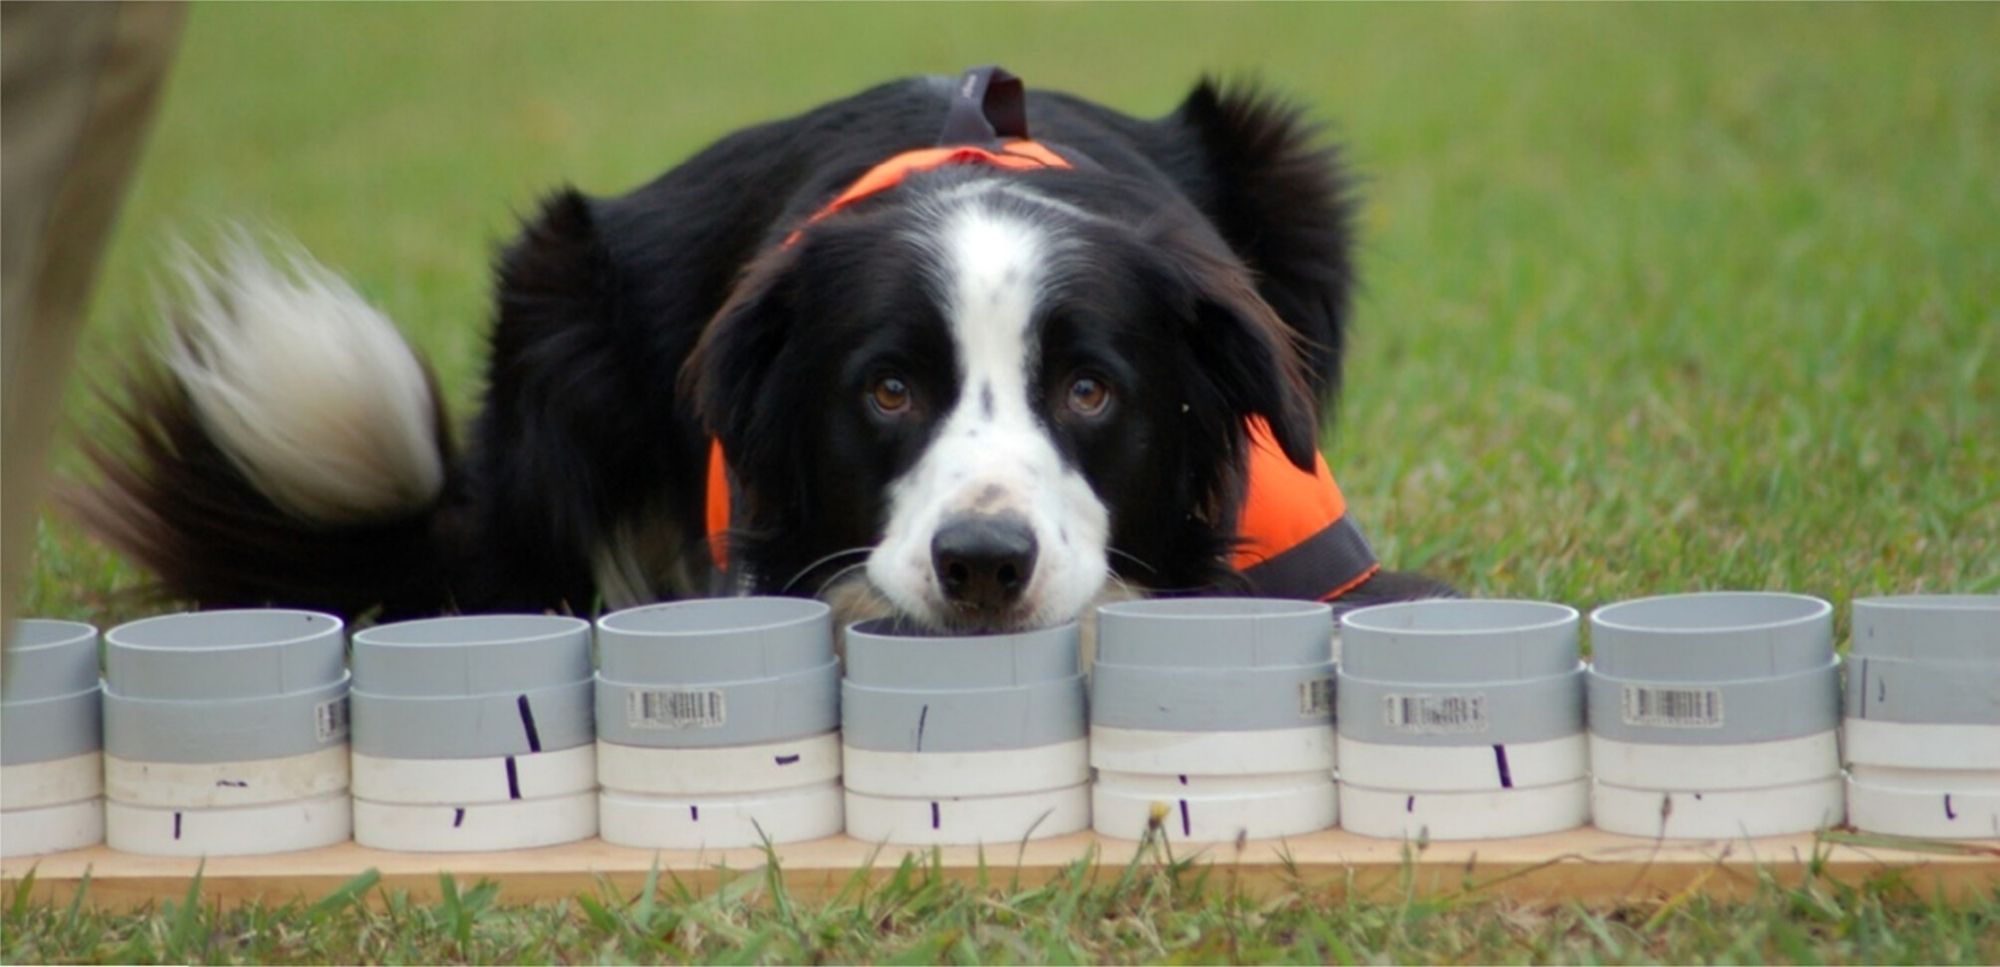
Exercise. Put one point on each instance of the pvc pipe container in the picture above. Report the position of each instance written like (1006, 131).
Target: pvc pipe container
(1212, 719)
(1714, 715)
(1709, 712)
(1213, 809)
(1213, 665)
(35, 831)
(1482, 814)
(202, 785)
(716, 672)
(49, 658)
(1728, 671)
(224, 654)
(473, 687)
(1923, 682)
(51, 740)
(963, 740)
(1928, 627)
(1252, 753)
(504, 825)
(1702, 768)
(1931, 803)
(1917, 746)
(500, 654)
(716, 724)
(444, 727)
(968, 820)
(280, 827)
(225, 733)
(791, 815)
(225, 686)
(458, 782)
(1922, 726)
(1464, 720)
(1711, 636)
(723, 770)
(474, 733)
(1726, 814)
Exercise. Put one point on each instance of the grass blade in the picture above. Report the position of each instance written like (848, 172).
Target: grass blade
(18, 907)
(343, 896)
(187, 919)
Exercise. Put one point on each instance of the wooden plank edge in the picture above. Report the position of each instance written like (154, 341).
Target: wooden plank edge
(1585, 865)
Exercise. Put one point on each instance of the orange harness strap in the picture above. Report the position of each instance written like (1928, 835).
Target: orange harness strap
(1017, 155)
(1296, 538)
(1297, 541)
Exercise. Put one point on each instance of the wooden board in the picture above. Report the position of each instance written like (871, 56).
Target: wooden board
(1584, 864)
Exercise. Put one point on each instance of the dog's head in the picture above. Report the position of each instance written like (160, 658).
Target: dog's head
(1006, 388)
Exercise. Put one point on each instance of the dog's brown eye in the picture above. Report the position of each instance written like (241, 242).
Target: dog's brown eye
(890, 395)
(1088, 396)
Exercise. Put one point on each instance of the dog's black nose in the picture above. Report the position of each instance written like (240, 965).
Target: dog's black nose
(984, 561)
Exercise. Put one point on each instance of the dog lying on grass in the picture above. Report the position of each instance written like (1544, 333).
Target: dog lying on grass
(892, 351)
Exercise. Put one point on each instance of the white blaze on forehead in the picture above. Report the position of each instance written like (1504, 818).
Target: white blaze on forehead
(994, 266)
(992, 452)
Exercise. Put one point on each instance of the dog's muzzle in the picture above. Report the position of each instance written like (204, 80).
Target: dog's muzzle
(984, 561)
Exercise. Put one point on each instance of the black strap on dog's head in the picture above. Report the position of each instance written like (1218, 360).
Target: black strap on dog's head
(988, 105)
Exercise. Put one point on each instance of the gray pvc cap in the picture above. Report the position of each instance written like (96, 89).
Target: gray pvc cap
(878, 654)
(46, 729)
(1453, 641)
(225, 730)
(1448, 714)
(700, 715)
(1691, 712)
(49, 658)
(472, 655)
(1929, 627)
(225, 654)
(473, 726)
(1712, 636)
(1211, 699)
(1214, 632)
(962, 720)
(714, 640)
(1923, 692)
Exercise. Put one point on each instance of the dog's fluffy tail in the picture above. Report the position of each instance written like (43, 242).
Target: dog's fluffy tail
(287, 447)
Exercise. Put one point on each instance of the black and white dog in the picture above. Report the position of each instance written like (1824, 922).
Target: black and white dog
(978, 398)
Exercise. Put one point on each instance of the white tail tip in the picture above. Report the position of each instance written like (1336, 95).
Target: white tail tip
(308, 388)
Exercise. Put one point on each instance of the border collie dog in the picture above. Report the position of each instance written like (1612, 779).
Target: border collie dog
(978, 390)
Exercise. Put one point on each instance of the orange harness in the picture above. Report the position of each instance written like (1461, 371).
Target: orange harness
(1018, 154)
(1295, 538)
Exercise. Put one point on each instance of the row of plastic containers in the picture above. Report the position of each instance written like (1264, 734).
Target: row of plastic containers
(729, 722)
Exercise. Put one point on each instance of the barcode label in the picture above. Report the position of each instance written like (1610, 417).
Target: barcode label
(1426, 714)
(1316, 698)
(1673, 708)
(698, 709)
(330, 719)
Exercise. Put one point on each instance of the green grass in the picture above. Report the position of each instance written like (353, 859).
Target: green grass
(1149, 911)
(1658, 299)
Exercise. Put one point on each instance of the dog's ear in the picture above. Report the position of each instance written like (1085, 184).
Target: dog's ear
(727, 379)
(1247, 355)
